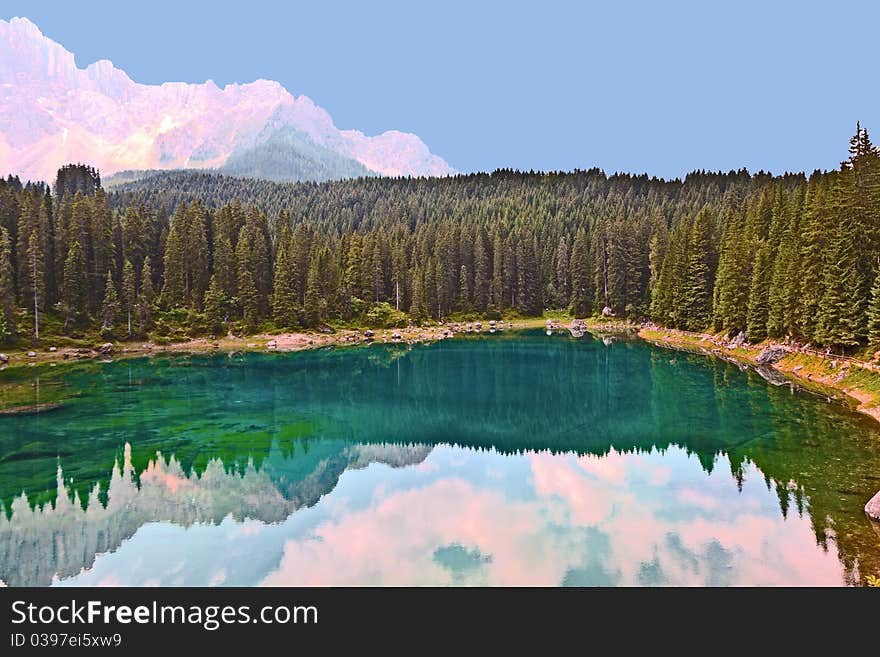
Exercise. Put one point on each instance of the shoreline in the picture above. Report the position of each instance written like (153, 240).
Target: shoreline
(857, 382)
(288, 341)
(60, 358)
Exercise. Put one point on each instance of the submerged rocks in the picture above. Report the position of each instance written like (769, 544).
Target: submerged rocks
(771, 355)
(771, 376)
(872, 508)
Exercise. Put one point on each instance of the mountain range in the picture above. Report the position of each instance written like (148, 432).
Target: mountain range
(53, 113)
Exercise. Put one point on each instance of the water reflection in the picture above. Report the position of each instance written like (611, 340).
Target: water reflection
(57, 540)
(456, 516)
(539, 461)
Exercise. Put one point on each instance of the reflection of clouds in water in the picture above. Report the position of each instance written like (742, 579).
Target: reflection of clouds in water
(541, 519)
(616, 519)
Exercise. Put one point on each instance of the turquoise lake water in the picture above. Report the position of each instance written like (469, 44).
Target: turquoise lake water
(513, 459)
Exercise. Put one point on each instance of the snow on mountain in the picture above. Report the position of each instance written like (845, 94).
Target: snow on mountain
(52, 113)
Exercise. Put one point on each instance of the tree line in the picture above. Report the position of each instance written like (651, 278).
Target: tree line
(189, 252)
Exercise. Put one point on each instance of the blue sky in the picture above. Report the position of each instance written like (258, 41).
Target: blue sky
(632, 86)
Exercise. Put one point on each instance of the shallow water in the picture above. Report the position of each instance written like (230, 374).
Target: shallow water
(500, 460)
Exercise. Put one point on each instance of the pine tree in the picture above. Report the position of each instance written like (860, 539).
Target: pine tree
(667, 298)
(147, 295)
(215, 305)
(874, 312)
(7, 288)
(498, 299)
(784, 256)
(418, 307)
(102, 249)
(133, 237)
(34, 260)
(28, 225)
(731, 293)
(197, 256)
(398, 276)
(248, 298)
(47, 244)
(300, 247)
(225, 266)
(562, 273)
(464, 294)
(841, 314)
(759, 293)
(482, 272)
(284, 301)
(74, 288)
(581, 276)
(110, 305)
(174, 291)
(657, 247)
(696, 306)
(812, 256)
(312, 308)
(528, 283)
(129, 291)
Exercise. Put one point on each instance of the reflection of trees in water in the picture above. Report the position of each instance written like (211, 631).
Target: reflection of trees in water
(816, 459)
(41, 542)
(512, 395)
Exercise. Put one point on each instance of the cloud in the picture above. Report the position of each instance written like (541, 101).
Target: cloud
(626, 520)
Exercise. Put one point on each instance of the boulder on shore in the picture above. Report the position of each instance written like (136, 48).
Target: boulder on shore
(577, 328)
(771, 355)
(872, 508)
(106, 348)
(739, 340)
(4, 359)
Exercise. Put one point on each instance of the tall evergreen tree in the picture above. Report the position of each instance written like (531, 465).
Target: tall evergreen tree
(874, 312)
(110, 304)
(841, 314)
(74, 290)
(129, 292)
(7, 288)
(759, 292)
(696, 306)
(215, 305)
(35, 279)
(284, 300)
(581, 276)
(146, 294)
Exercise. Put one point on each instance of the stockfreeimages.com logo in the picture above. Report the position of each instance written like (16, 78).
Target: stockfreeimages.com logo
(210, 617)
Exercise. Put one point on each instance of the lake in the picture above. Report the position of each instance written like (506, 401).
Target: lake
(508, 459)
